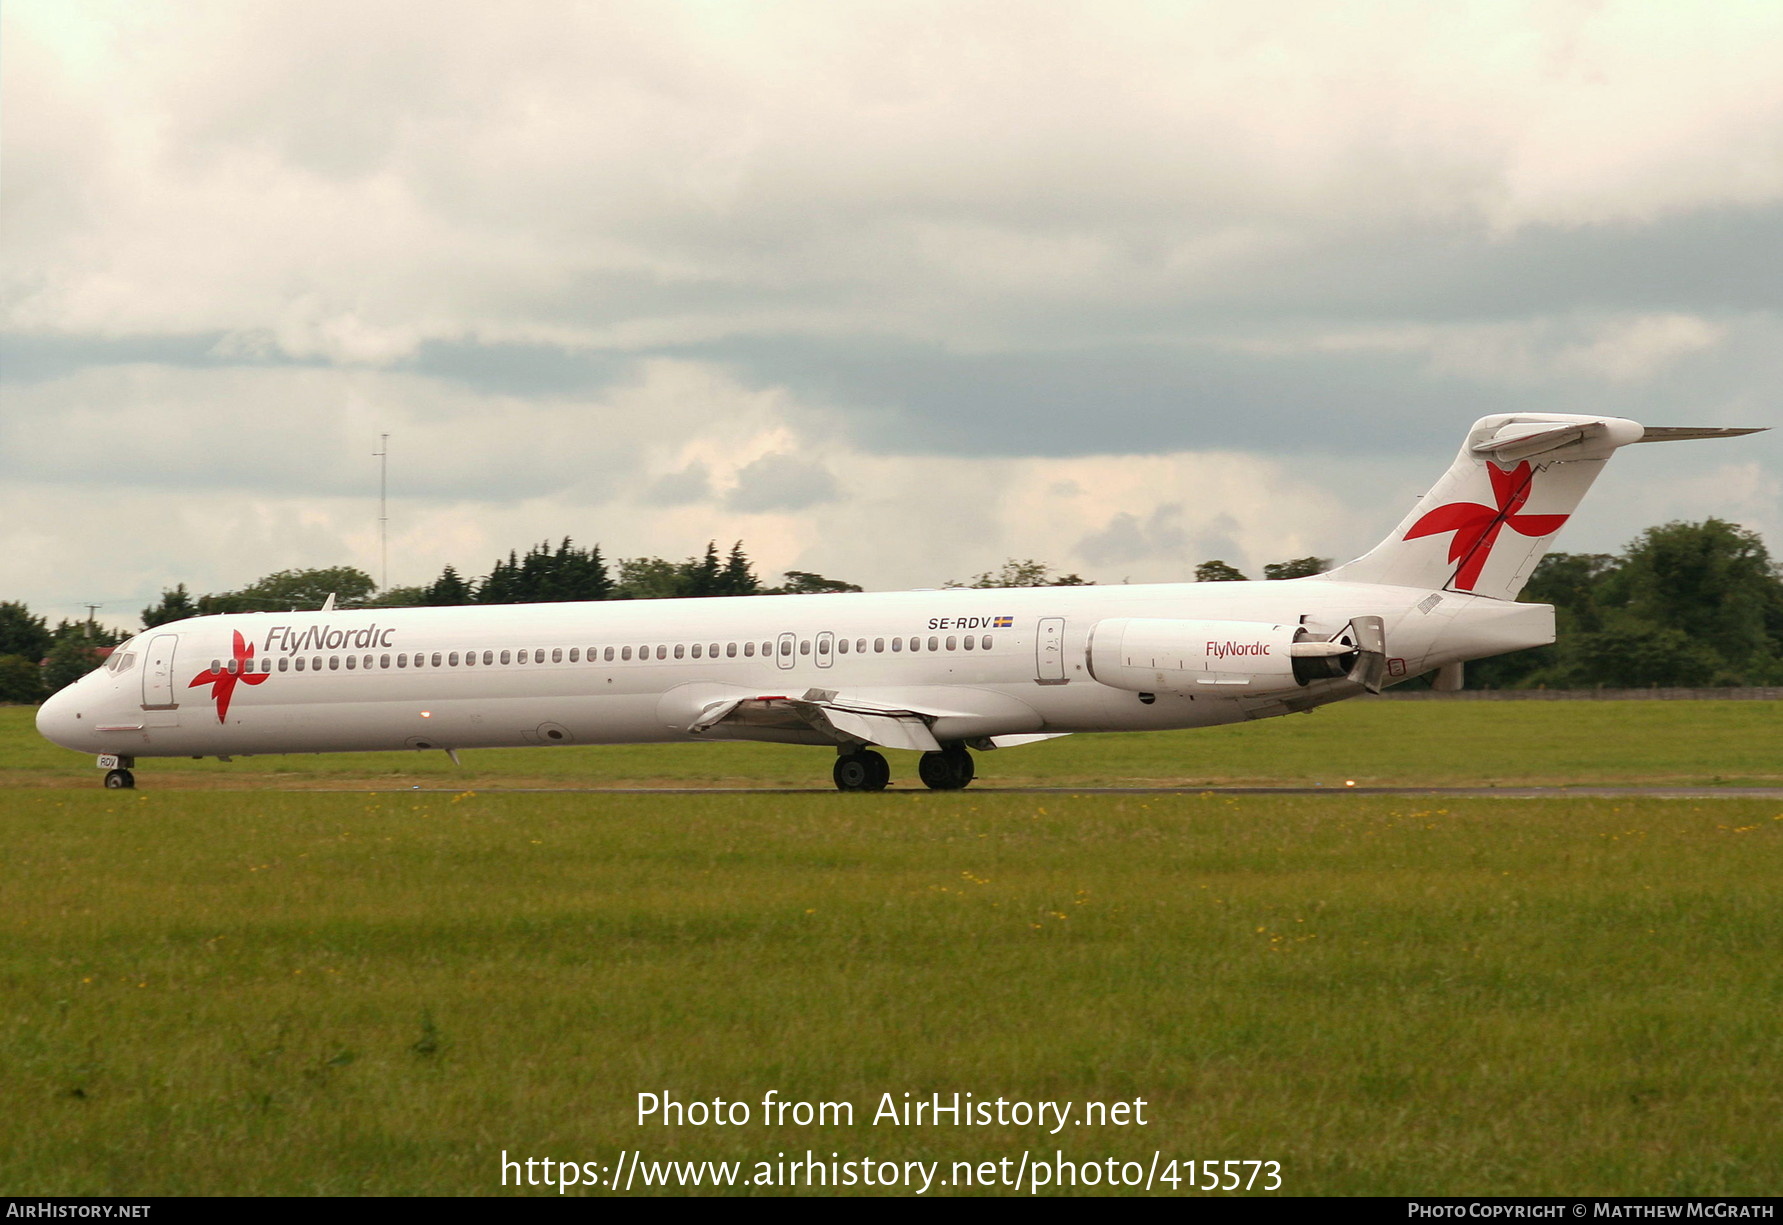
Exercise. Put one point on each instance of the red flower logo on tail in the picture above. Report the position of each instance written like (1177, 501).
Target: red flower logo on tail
(1476, 527)
(223, 683)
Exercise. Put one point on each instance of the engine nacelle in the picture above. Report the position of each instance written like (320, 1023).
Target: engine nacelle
(1154, 655)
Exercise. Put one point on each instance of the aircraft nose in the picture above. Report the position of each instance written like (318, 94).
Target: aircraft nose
(59, 719)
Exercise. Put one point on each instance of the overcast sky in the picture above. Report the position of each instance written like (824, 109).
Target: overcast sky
(887, 291)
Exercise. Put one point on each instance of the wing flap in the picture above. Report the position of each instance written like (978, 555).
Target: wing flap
(820, 711)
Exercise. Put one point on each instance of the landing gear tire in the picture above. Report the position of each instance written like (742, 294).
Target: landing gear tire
(949, 770)
(119, 780)
(861, 771)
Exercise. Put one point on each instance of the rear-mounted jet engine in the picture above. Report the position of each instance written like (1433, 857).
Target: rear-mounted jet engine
(1155, 655)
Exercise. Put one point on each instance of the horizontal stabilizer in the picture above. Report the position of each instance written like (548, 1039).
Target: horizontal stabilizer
(1684, 433)
(1524, 439)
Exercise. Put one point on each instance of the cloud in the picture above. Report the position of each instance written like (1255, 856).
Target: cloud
(782, 482)
(691, 484)
(1005, 278)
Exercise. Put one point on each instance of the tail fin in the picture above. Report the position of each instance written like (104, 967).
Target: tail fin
(1492, 516)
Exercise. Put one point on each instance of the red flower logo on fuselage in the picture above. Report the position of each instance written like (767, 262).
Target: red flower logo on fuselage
(1476, 527)
(223, 682)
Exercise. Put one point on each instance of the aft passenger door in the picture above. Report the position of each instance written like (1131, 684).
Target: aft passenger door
(157, 673)
(1049, 651)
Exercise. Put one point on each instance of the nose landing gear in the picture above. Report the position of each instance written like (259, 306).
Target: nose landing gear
(119, 780)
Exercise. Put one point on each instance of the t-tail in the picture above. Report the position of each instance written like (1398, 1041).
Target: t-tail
(1495, 512)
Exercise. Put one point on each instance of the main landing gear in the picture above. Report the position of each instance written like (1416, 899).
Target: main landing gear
(861, 770)
(865, 770)
(949, 770)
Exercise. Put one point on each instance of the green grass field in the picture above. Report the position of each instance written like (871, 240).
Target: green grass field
(240, 991)
(1396, 743)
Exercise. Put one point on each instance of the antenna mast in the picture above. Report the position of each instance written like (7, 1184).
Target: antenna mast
(383, 457)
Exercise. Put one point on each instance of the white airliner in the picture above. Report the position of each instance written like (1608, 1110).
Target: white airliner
(936, 672)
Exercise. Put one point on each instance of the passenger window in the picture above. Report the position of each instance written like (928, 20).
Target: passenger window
(352, 661)
(951, 643)
(842, 646)
(712, 651)
(805, 647)
(232, 667)
(785, 647)
(748, 649)
(625, 654)
(897, 644)
(985, 642)
(285, 664)
(334, 663)
(488, 657)
(767, 648)
(383, 661)
(662, 652)
(730, 650)
(470, 659)
(266, 664)
(970, 642)
(609, 655)
(436, 659)
(300, 663)
(402, 661)
(557, 655)
(316, 664)
(696, 650)
(504, 657)
(934, 643)
(879, 646)
(680, 651)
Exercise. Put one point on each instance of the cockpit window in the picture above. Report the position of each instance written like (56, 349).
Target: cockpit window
(122, 658)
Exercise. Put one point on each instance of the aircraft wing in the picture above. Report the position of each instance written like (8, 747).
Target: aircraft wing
(827, 714)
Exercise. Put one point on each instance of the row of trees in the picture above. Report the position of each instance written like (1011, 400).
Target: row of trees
(36, 660)
(1686, 604)
(544, 574)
